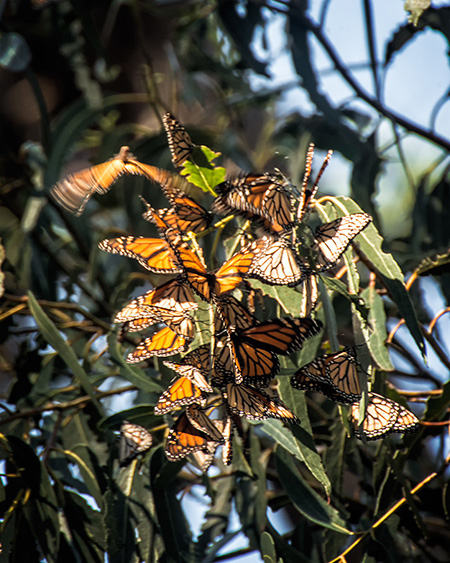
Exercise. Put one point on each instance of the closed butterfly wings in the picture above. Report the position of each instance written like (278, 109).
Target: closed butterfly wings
(190, 387)
(258, 196)
(383, 416)
(174, 295)
(180, 143)
(331, 240)
(255, 404)
(192, 432)
(134, 440)
(184, 215)
(278, 264)
(173, 338)
(334, 375)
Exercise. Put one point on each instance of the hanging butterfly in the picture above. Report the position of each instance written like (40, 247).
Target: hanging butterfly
(253, 350)
(225, 279)
(153, 254)
(307, 195)
(231, 313)
(242, 361)
(263, 197)
(174, 295)
(185, 215)
(383, 416)
(310, 296)
(189, 388)
(180, 143)
(279, 264)
(334, 375)
(331, 240)
(134, 440)
(74, 192)
(191, 215)
(165, 342)
(185, 437)
(255, 404)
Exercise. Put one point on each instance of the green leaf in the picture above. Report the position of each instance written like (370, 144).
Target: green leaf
(305, 499)
(15, 54)
(378, 333)
(140, 414)
(202, 172)
(268, 550)
(131, 373)
(304, 442)
(288, 298)
(339, 287)
(54, 338)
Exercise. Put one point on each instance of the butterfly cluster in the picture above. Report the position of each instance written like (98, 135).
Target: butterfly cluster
(227, 377)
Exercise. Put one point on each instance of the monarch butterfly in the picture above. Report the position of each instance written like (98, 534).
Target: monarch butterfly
(134, 440)
(184, 438)
(189, 388)
(153, 254)
(262, 195)
(180, 143)
(252, 350)
(165, 342)
(242, 361)
(185, 215)
(181, 391)
(226, 278)
(200, 420)
(278, 264)
(74, 192)
(191, 216)
(174, 295)
(307, 195)
(335, 375)
(332, 239)
(310, 295)
(383, 416)
(254, 404)
(232, 314)
(193, 369)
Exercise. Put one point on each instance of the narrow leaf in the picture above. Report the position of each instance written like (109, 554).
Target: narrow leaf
(54, 338)
(305, 499)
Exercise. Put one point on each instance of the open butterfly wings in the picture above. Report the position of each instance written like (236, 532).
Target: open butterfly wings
(226, 278)
(74, 191)
(153, 254)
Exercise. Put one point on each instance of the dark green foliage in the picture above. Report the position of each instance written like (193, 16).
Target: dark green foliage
(82, 79)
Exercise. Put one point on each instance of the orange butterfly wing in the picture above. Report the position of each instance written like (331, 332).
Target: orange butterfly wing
(166, 342)
(153, 254)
